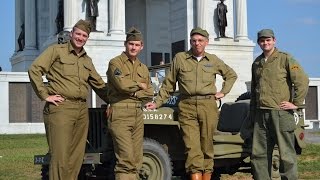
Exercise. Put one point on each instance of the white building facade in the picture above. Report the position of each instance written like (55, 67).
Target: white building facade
(165, 25)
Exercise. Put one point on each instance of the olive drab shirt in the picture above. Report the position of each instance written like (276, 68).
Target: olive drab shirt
(123, 78)
(196, 78)
(68, 74)
(273, 80)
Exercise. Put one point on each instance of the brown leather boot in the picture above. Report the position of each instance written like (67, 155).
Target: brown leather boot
(206, 176)
(196, 176)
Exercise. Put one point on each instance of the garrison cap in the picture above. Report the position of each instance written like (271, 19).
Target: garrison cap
(134, 35)
(265, 33)
(200, 31)
(84, 26)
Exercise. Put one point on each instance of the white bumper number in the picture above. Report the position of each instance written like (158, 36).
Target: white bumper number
(157, 116)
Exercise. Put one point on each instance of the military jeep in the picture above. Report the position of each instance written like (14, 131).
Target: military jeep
(163, 148)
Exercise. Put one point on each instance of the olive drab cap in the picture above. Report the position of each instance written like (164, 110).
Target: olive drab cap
(84, 26)
(134, 35)
(265, 33)
(200, 31)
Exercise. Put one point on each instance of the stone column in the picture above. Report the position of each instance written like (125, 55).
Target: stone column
(18, 22)
(30, 25)
(117, 17)
(70, 14)
(202, 13)
(53, 11)
(242, 24)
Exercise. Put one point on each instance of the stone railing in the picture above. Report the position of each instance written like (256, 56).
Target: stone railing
(20, 108)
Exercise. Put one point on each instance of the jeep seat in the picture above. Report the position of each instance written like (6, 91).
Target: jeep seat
(232, 116)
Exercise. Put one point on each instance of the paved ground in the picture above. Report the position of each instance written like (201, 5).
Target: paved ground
(312, 136)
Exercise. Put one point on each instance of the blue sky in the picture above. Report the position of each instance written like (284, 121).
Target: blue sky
(296, 24)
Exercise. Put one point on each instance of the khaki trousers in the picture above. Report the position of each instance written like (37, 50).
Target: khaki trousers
(198, 120)
(66, 130)
(273, 127)
(126, 128)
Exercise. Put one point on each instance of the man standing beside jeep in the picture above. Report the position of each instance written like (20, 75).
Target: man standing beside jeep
(129, 85)
(70, 72)
(278, 86)
(195, 71)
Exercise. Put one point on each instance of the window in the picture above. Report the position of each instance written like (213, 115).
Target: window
(312, 103)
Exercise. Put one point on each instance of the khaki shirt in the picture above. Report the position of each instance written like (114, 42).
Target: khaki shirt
(123, 78)
(273, 81)
(195, 78)
(68, 74)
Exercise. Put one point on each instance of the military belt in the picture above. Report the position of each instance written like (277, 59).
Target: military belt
(198, 97)
(127, 105)
(75, 99)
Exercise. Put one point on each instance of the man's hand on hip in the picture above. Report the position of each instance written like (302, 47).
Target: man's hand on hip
(285, 105)
(54, 99)
(219, 95)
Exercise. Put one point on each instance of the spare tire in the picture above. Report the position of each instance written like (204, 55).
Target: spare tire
(244, 96)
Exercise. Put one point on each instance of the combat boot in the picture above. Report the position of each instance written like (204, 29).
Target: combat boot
(206, 176)
(196, 176)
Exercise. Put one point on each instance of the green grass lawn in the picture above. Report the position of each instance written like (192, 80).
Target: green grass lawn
(309, 162)
(17, 151)
(16, 156)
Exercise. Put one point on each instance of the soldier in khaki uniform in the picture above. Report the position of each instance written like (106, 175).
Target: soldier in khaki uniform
(129, 83)
(279, 86)
(70, 72)
(195, 71)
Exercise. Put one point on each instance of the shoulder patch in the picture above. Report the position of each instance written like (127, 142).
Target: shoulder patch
(117, 72)
(295, 67)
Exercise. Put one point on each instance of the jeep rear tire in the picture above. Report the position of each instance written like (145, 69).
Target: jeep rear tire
(156, 161)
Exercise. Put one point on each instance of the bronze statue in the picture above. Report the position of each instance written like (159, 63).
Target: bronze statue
(92, 13)
(60, 17)
(21, 38)
(222, 18)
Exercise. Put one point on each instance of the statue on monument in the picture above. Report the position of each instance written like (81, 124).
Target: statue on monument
(60, 17)
(222, 17)
(21, 38)
(92, 13)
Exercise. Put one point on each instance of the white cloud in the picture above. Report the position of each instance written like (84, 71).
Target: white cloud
(304, 1)
(308, 21)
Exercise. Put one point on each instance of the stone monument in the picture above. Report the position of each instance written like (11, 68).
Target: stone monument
(164, 25)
